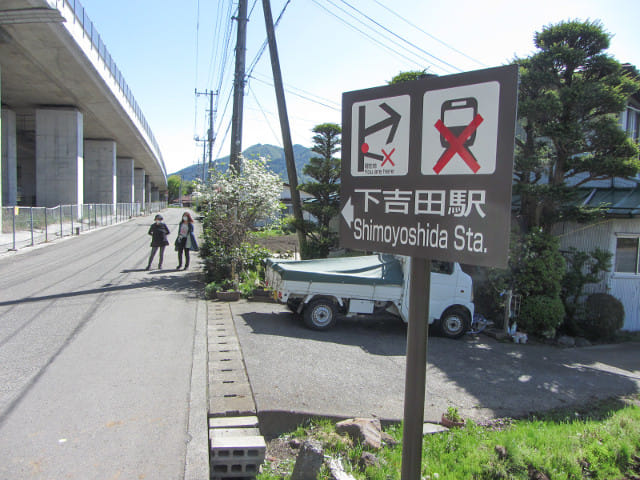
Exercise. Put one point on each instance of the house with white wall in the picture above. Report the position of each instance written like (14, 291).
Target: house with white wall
(617, 232)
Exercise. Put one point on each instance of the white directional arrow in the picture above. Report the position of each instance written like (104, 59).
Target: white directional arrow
(347, 212)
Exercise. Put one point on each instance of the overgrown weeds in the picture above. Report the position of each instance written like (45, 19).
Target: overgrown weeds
(598, 442)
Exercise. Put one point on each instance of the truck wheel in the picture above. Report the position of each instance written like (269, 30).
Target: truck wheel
(454, 323)
(320, 314)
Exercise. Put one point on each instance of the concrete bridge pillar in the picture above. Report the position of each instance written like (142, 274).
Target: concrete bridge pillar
(147, 189)
(155, 194)
(9, 184)
(125, 180)
(59, 157)
(138, 186)
(100, 171)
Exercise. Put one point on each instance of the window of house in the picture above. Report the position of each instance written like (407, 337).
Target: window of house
(627, 249)
(632, 126)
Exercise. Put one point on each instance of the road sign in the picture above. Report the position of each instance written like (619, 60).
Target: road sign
(427, 167)
(381, 137)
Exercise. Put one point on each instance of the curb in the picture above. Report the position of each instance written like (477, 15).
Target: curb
(196, 464)
(236, 447)
(230, 393)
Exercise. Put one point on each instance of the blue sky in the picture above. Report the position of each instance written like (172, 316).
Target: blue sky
(166, 49)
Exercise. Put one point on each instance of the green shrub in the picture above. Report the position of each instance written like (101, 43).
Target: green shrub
(249, 281)
(288, 225)
(210, 290)
(537, 265)
(603, 316)
(489, 286)
(583, 268)
(218, 259)
(541, 315)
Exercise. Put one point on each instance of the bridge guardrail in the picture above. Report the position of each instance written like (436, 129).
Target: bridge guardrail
(28, 226)
(81, 17)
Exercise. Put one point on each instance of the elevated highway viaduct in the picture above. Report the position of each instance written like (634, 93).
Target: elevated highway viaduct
(72, 131)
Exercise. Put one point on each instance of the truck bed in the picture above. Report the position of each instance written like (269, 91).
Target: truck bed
(381, 269)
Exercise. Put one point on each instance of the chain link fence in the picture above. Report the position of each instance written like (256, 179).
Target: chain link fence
(28, 226)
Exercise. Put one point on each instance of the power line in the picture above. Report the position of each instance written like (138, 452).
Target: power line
(264, 115)
(225, 49)
(309, 99)
(396, 35)
(311, 94)
(226, 132)
(195, 109)
(251, 10)
(255, 61)
(428, 34)
(380, 43)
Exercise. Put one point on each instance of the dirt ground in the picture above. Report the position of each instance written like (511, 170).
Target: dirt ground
(282, 244)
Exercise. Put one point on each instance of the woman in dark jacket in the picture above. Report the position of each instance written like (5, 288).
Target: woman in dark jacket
(158, 232)
(186, 240)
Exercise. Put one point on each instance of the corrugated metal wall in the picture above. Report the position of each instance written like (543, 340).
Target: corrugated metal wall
(625, 287)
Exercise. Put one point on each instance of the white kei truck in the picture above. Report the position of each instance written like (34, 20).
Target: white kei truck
(320, 289)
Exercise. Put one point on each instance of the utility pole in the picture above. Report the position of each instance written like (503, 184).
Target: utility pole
(210, 137)
(205, 177)
(210, 131)
(238, 87)
(284, 123)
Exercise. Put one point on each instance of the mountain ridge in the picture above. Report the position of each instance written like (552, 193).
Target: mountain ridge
(276, 162)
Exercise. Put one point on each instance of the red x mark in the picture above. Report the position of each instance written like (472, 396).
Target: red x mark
(387, 157)
(456, 145)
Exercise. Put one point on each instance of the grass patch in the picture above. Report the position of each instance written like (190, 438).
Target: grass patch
(268, 233)
(599, 442)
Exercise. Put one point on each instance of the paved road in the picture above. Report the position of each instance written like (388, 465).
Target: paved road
(102, 364)
(358, 369)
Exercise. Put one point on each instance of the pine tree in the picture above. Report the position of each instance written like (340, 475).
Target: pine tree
(571, 93)
(324, 168)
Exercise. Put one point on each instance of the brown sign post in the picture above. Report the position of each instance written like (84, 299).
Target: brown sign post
(427, 169)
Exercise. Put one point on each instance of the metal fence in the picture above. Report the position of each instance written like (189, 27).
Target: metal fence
(28, 226)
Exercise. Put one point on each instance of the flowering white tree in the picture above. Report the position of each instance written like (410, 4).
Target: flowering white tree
(236, 201)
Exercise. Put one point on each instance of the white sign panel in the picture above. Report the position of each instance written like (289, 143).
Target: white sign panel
(460, 130)
(380, 132)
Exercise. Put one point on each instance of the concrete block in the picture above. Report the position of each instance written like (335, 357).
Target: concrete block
(230, 422)
(234, 432)
(224, 357)
(224, 348)
(233, 457)
(226, 378)
(220, 389)
(241, 448)
(430, 428)
(232, 405)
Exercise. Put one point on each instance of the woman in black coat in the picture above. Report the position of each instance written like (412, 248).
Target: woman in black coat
(158, 232)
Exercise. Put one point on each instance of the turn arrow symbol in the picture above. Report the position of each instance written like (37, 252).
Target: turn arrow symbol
(393, 120)
(347, 212)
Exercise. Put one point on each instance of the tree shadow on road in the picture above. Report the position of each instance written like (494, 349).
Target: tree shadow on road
(478, 374)
(189, 283)
(382, 336)
(518, 380)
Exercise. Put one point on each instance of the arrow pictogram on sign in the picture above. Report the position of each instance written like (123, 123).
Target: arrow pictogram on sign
(456, 145)
(393, 120)
(347, 212)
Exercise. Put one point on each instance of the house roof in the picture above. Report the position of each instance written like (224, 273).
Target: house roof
(617, 201)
